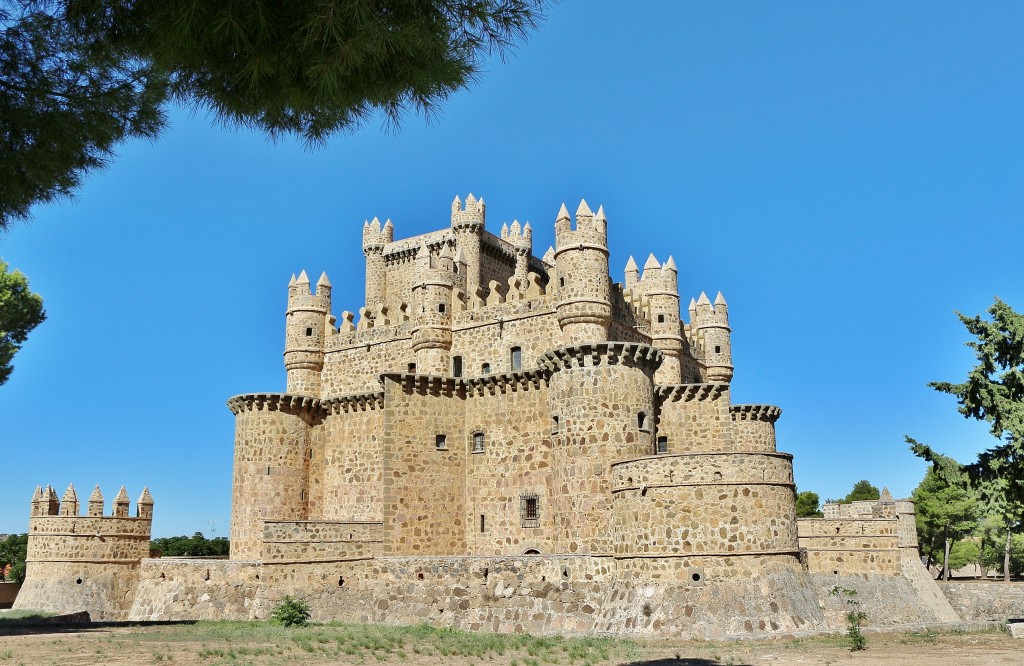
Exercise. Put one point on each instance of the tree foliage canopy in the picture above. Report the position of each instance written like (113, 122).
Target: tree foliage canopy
(78, 76)
(808, 505)
(194, 546)
(13, 553)
(994, 393)
(20, 312)
(862, 490)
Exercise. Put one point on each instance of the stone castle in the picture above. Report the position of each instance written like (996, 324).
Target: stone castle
(503, 441)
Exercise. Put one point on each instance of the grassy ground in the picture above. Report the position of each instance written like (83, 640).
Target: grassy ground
(216, 643)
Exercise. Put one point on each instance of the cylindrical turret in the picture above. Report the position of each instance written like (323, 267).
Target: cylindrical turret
(306, 326)
(468, 225)
(374, 240)
(601, 398)
(712, 330)
(584, 307)
(661, 287)
(271, 472)
(432, 337)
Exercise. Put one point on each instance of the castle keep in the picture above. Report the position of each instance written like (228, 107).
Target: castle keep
(501, 441)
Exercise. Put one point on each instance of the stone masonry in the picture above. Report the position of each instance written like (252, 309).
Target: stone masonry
(495, 440)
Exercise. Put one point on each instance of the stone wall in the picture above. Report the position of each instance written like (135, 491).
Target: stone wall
(568, 595)
(710, 504)
(985, 600)
(515, 462)
(271, 467)
(346, 468)
(424, 478)
(695, 417)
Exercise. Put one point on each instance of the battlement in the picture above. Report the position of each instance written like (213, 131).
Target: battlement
(766, 413)
(470, 215)
(520, 238)
(590, 230)
(658, 279)
(376, 237)
(302, 298)
(45, 504)
(604, 353)
(705, 315)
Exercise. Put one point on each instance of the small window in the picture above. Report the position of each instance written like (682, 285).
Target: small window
(483, 524)
(478, 442)
(661, 319)
(517, 359)
(411, 368)
(641, 421)
(554, 424)
(441, 308)
(456, 366)
(718, 349)
(561, 282)
(441, 442)
(662, 446)
(529, 509)
(309, 332)
(485, 369)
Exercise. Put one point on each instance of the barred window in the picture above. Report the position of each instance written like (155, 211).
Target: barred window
(529, 510)
(478, 442)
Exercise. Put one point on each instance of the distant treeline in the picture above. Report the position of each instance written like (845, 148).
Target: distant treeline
(194, 546)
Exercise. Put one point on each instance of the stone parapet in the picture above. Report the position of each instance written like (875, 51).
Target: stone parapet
(604, 353)
(766, 413)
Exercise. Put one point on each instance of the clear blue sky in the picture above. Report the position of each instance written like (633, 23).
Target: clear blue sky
(847, 174)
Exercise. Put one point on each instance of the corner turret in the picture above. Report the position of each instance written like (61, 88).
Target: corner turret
(432, 337)
(660, 285)
(710, 324)
(375, 238)
(521, 239)
(306, 327)
(468, 225)
(581, 257)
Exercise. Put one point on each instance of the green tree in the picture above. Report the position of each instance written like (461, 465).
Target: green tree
(807, 505)
(862, 490)
(945, 513)
(20, 312)
(78, 76)
(13, 552)
(994, 393)
(194, 546)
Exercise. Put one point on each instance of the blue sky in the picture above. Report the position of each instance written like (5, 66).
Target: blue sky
(846, 174)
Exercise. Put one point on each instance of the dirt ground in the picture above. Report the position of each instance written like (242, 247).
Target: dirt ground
(210, 644)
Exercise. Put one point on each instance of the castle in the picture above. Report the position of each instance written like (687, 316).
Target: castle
(506, 442)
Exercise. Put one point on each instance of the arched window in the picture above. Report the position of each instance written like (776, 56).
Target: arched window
(641, 420)
(516, 359)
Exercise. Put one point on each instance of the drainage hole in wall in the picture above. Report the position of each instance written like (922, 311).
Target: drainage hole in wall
(341, 581)
(78, 582)
(695, 577)
(419, 576)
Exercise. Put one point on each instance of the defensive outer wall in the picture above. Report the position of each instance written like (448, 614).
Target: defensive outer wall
(505, 442)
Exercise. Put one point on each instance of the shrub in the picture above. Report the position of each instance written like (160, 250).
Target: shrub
(291, 612)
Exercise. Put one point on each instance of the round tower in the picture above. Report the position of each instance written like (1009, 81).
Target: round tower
(374, 239)
(306, 325)
(601, 400)
(661, 287)
(432, 336)
(584, 307)
(468, 225)
(712, 328)
(271, 466)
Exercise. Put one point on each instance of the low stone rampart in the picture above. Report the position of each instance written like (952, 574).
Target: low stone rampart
(985, 600)
(195, 589)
